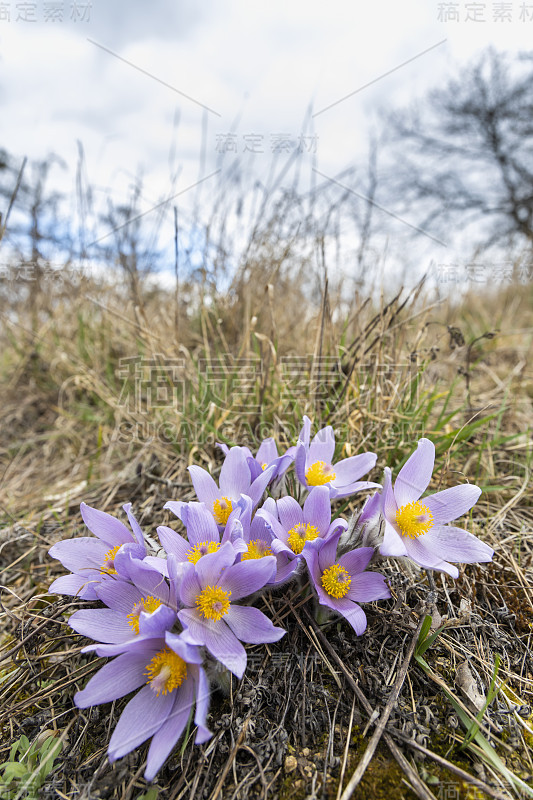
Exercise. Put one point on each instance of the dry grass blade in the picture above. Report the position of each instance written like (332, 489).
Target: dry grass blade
(383, 718)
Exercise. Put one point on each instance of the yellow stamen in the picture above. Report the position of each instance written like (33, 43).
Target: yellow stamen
(108, 567)
(166, 671)
(414, 519)
(336, 581)
(264, 466)
(213, 602)
(257, 548)
(319, 473)
(201, 549)
(300, 534)
(147, 604)
(222, 509)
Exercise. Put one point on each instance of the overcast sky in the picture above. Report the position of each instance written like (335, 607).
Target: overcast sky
(297, 75)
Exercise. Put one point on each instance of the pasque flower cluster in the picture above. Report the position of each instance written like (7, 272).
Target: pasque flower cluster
(164, 617)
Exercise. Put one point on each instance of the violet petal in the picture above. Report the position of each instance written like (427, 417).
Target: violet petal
(300, 462)
(75, 585)
(217, 637)
(455, 544)
(246, 577)
(201, 525)
(141, 719)
(317, 508)
(209, 567)
(190, 585)
(203, 694)
(259, 485)
(452, 503)
(106, 527)
(251, 625)
(165, 739)
(118, 595)
(420, 553)
(322, 448)
(235, 475)
(351, 469)
(102, 625)
(115, 679)
(368, 586)
(289, 512)
(415, 475)
(205, 487)
(356, 560)
(352, 613)
(174, 542)
(393, 544)
(82, 555)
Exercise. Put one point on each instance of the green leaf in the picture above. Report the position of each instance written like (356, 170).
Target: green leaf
(13, 769)
(151, 794)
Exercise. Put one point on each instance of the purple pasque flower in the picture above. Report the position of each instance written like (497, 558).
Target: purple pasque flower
(256, 533)
(267, 456)
(146, 607)
(172, 679)
(203, 535)
(417, 528)
(294, 526)
(93, 560)
(235, 479)
(342, 583)
(314, 464)
(212, 618)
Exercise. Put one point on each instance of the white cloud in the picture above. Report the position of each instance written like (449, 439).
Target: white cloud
(258, 65)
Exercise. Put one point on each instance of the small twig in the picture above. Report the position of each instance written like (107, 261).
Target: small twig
(418, 786)
(380, 727)
(461, 773)
(21, 644)
(346, 748)
(387, 736)
(231, 759)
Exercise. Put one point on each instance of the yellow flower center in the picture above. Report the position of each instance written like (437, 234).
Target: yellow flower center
(264, 466)
(166, 671)
(213, 602)
(301, 534)
(201, 549)
(257, 548)
(336, 580)
(319, 473)
(414, 519)
(147, 604)
(222, 509)
(108, 567)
